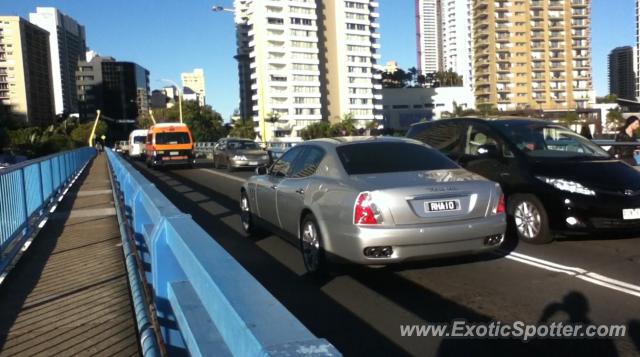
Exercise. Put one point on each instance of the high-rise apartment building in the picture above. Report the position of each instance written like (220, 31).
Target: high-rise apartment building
(444, 37)
(456, 38)
(25, 71)
(428, 35)
(349, 54)
(622, 75)
(309, 60)
(68, 45)
(532, 54)
(195, 81)
(243, 51)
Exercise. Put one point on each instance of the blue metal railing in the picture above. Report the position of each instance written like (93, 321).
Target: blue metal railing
(206, 303)
(26, 191)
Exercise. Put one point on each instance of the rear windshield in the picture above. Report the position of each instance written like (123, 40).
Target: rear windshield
(371, 158)
(139, 139)
(172, 138)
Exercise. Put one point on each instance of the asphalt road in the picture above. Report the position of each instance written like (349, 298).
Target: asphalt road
(588, 280)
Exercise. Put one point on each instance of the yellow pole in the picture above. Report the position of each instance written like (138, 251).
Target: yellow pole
(93, 130)
(180, 102)
(152, 118)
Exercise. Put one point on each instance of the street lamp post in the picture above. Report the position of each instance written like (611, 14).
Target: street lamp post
(179, 95)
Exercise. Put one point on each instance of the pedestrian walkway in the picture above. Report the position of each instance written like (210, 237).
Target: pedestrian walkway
(69, 294)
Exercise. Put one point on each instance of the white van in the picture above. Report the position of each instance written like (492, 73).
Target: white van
(137, 140)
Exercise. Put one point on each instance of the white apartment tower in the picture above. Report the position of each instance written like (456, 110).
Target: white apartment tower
(457, 40)
(305, 67)
(68, 45)
(444, 31)
(428, 27)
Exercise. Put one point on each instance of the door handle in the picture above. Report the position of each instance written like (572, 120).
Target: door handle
(273, 187)
(300, 191)
(505, 174)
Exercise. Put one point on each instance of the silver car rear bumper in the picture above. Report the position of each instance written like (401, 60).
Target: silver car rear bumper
(418, 242)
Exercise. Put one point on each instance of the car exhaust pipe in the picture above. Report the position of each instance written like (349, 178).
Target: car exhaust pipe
(493, 240)
(378, 252)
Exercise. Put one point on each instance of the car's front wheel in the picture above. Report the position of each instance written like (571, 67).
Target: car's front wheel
(246, 217)
(530, 219)
(311, 247)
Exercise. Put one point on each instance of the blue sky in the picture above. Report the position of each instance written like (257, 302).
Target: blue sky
(173, 36)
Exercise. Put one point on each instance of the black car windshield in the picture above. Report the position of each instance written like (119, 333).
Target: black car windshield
(242, 145)
(381, 157)
(172, 138)
(550, 141)
(139, 139)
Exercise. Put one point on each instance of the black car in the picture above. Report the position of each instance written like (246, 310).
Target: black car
(555, 180)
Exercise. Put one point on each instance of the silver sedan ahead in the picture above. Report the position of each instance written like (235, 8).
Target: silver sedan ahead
(373, 201)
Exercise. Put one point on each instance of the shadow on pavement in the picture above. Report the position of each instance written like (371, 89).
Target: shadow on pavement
(25, 275)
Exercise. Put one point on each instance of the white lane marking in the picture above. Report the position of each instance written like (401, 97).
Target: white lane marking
(231, 177)
(579, 273)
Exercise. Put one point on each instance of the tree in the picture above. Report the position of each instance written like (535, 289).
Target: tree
(243, 128)
(486, 110)
(397, 79)
(610, 98)
(346, 127)
(615, 119)
(204, 122)
(321, 129)
(80, 134)
(569, 119)
(144, 121)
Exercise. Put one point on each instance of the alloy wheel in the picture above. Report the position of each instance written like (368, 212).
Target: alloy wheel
(310, 246)
(527, 219)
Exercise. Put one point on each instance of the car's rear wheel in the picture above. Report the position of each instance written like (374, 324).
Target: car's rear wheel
(311, 247)
(246, 217)
(215, 162)
(529, 219)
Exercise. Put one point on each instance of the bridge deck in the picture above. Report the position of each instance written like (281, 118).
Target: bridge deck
(68, 294)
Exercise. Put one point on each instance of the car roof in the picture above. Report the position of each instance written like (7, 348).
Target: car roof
(493, 120)
(348, 140)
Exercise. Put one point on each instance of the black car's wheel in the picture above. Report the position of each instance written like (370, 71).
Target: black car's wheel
(246, 217)
(311, 247)
(529, 219)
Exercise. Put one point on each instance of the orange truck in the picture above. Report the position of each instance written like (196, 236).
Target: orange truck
(169, 144)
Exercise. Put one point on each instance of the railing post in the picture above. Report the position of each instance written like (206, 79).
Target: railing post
(25, 204)
(42, 198)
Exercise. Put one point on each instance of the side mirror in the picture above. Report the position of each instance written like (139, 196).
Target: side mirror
(261, 170)
(488, 151)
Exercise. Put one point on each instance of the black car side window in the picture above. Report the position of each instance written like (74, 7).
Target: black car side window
(477, 138)
(282, 167)
(307, 162)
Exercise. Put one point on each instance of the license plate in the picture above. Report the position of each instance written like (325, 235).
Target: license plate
(442, 206)
(178, 158)
(174, 153)
(253, 162)
(631, 213)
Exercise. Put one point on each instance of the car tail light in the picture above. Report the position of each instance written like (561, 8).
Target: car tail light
(500, 207)
(365, 211)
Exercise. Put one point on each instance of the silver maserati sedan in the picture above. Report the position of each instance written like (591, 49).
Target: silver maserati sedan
(373, 201)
